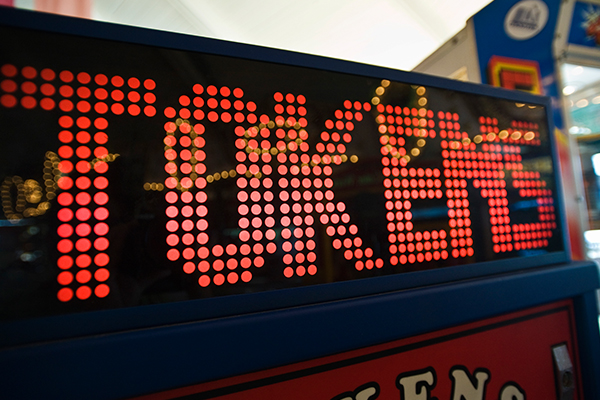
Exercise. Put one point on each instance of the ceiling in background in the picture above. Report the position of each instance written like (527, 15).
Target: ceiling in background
(391, 33)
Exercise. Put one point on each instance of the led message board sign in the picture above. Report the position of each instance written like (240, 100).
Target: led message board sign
(133, 174)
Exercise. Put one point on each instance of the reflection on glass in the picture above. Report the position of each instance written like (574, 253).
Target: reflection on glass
(581, 88)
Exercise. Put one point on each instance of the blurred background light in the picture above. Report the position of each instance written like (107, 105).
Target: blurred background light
(391, 33)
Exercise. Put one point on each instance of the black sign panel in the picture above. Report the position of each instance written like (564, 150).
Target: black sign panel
(133, 174)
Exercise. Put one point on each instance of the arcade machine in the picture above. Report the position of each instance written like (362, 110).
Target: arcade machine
(546, 47)
(191, 218)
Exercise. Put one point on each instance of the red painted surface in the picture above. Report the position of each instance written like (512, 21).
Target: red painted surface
(500, 356)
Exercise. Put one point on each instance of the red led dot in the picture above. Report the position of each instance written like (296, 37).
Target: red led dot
(65, 183)
(300, 271)
(101, 94)
(10, 86)
(100, 167)
(66, 76)
(232, 277)
(211, 90)
(102, 290)
(83, 182)
(117, 81)
(28, 87)
(83, 276)
(9, 70)
(83, 152)
(28, 102)
(239, 93)
(65, 166)
(189, 267)
(65, 214)
(117, 95)
(170, 112)
(64, 246)
(117, 109)
(83, 292)
(101, 123)
(83, 78)
(8, 100)
(101, 244)
(100, 198)
(101, 213)
(84, 92)
(83, 245)
(219, 279)
(203, 266)
(225, 91)
(83, 230)
(133, 83)
(149, 98)
(288, 272)
(101, 79)
(83, 261)
(101, 259)
(65, 294)
(64, 262)
(204, 280)
(47, 104)
(149, 111)
(150, 84)
(188, 253)
(66, 91)
(65, 278)
(246, 276)
(173, 254)
(134, 109)
(29, 72)
(100, 183)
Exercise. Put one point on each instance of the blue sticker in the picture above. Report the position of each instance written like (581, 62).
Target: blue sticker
(585, 25)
